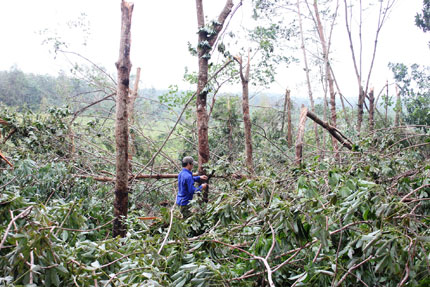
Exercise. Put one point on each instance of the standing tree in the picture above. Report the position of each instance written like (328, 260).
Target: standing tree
(384, 9)
(208, 35)
(244, 77)
(121, 126)
(328, 71)
(305, 59)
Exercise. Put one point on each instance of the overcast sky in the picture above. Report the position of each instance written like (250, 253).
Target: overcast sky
(161, 30)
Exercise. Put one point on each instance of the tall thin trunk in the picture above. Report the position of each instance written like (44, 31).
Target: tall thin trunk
(386, 106)
(289, 127)
(205, 43)
(360, 109)
(398, 108)
(121, 127)
(371, 109)
(230, 131)
(131, 107)
(328, 75)
(244, 76)
(311, 99)
(284, 111)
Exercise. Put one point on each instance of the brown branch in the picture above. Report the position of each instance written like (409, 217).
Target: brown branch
(152, 176)
(332, 130)
(9, 135)
(77, 230)
(76, 114)
(5, 159)
(352, 269)
(21, 215)
(414, 191)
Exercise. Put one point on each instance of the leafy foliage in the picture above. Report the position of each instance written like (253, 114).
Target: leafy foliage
(362, 220)
(414, 88)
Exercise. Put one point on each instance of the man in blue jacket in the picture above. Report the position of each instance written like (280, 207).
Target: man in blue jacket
(186, 188)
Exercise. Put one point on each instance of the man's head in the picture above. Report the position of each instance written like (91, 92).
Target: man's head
(188, 162)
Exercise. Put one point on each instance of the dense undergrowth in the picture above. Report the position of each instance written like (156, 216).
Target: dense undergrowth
(359, 220)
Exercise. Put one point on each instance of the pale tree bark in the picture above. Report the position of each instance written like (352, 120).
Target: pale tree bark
(121, 125)
(230, 131)
(131, 105)
(308, 81)
(284, 112)
(342, 100)
(206, 41)
(371, 109)
(398, 108)
(344, 141)
(300, 135)
(386, 106)
(289, 126)
(328, 74)
(382, 17)
(244, 77)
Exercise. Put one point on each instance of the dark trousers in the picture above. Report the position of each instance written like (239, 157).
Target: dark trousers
(185, 211)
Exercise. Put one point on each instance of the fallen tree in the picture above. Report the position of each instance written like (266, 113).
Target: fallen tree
(301, 131)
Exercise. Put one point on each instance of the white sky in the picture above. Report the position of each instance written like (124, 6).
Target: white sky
(161, 30)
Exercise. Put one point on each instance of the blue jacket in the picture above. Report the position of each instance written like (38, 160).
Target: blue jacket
(186, 188)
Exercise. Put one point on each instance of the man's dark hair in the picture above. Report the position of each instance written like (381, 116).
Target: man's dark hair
(184, 164)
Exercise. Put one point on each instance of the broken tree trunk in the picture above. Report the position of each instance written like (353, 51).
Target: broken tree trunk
(344, 141)
(398, 108)
(284, 112)
(305, 58)
(121, 127)
(305, 113)
(300, 135)
(244, 76)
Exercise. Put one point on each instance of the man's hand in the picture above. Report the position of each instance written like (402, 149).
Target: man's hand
(204, 186)
(204, 177)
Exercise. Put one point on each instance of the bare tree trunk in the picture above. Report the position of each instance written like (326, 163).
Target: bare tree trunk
(398, 108)
(386, 106)
(360, 109)
(205, 43)
(300, 135)
(311, 99)
(289, 127)
(382, 16)
(230, 132)
(284, 111)
(121, 127)
(245, 107)
(329, 77)
(341, 100)
(371, 109)
(131, 107)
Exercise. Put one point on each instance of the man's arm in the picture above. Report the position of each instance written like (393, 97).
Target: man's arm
(199, 178)
(190, 183)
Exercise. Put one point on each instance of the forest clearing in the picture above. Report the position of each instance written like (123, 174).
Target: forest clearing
(97, 172)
